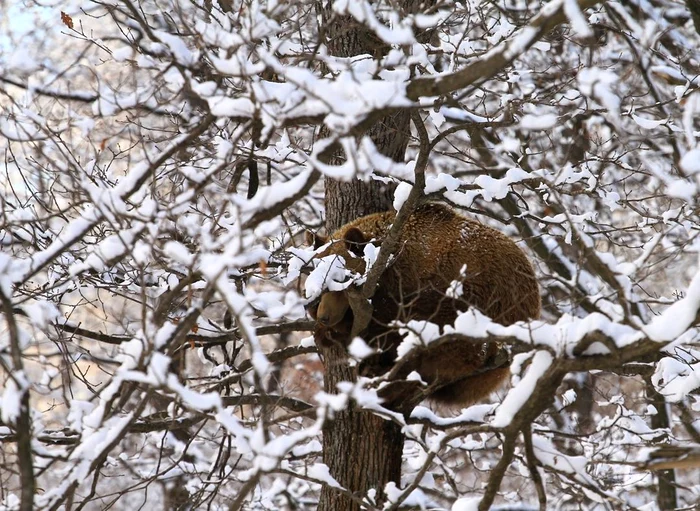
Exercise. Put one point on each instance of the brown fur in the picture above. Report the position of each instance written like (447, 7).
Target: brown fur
(435, 243)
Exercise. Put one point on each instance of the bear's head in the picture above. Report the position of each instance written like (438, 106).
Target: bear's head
(333, 313)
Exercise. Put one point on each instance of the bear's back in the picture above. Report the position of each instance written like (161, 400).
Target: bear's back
(435, 244)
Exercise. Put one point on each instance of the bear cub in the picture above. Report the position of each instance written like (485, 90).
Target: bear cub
(438, 249)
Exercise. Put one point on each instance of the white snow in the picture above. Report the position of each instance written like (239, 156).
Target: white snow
(41, 313)
(690, 163)
(466, 504)
(534, 122)
(577, 19)
(222, 106)
(441, 181)
(676, 379)
(329, 273)
(10, 402)
(493, 188)
(417, 499)
(401, 194)
(268, 196)
(178, 252)
(677, 318)
(359, 349)
(598, 84)
(648, 124)
(362, 11)
(473, 414)
(521, 392)
(322, 473)
(549, 456)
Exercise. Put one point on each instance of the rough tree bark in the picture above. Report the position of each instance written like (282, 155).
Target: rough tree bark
(362, 450)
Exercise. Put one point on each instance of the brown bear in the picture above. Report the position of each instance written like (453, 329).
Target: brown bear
(437, 249)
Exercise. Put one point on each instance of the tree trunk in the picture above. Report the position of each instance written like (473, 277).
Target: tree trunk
(666, 492)
(362, 450)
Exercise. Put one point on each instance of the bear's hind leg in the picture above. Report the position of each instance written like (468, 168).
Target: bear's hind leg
(471, 389)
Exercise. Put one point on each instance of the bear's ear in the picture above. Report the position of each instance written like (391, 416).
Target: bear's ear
(315, 240)
(355, 241)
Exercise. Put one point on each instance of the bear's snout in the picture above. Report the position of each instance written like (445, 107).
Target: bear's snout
(332, 308)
